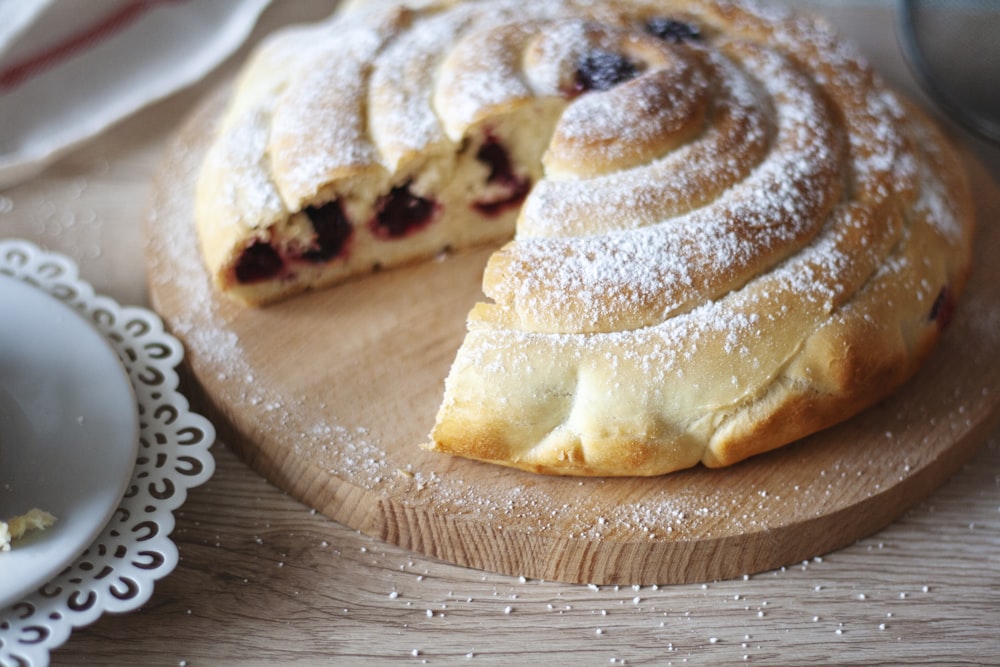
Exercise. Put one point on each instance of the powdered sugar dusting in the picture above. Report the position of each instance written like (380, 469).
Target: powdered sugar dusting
(735, 140)
(403, 118)
(647, 111)
(806, 219)
(482, 73)
(207, 325)
(635, 278)
(249, 196)
(690, 325)
(550, 60)
(324, 109)
(745, 325)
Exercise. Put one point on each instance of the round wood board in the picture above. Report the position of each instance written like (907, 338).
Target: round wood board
(328, 395)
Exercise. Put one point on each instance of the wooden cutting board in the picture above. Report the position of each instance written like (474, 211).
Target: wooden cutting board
(329, 395)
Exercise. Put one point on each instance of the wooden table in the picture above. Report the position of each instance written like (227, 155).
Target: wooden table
(263, 580)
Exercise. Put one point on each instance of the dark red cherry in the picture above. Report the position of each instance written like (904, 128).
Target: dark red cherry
(943, 308)
(401, 213)
(259, 261)
(514, 188)
(332, 228)
(494, 156)
(672, 30)
(603, 70)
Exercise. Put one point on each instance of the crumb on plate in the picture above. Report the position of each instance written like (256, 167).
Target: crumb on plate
(14, 529)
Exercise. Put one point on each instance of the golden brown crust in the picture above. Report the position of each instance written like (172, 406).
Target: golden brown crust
(735, 236)
(676, 362)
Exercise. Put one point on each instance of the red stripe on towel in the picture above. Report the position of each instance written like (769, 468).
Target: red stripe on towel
(20, 72)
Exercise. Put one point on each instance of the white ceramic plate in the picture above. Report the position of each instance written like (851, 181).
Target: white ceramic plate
(69, 432)
(118, 571)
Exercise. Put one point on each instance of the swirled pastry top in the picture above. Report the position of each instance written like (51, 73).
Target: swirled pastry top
(729, 232)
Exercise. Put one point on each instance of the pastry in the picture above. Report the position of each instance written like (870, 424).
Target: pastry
(15, 528)
(729, 232)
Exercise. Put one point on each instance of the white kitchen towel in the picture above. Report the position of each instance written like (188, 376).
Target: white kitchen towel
(71, 68)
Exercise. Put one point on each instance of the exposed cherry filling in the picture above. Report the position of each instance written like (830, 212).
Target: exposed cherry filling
(259, 261)
(401, 213)
(493, 155)
(603, 70)
(513, 188)
(397, 215)
(332, 231)
(262, 261)
(672, 30)
(943, 308)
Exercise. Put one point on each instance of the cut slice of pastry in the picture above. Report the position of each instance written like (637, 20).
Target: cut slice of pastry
(729, 232)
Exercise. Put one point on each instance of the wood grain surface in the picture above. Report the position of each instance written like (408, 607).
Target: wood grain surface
(328, 395)
(264, 580)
